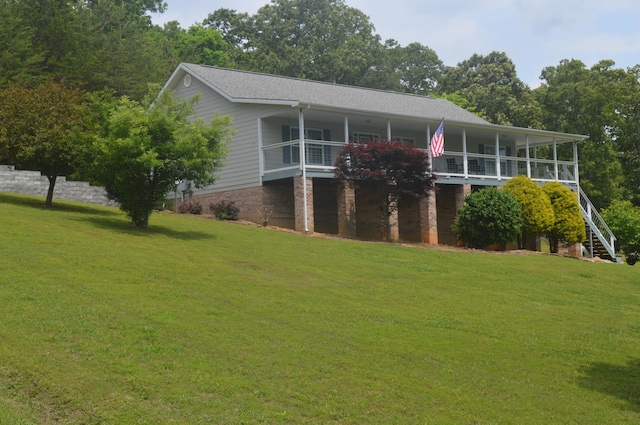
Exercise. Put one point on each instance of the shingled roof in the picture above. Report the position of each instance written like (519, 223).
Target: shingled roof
(252, 87)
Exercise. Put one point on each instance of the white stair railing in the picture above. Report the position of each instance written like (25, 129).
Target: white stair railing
(597, 224)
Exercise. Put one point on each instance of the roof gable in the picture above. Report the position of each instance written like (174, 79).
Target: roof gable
(251, 87)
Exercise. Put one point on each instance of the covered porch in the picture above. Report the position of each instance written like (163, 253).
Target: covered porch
(306, 142)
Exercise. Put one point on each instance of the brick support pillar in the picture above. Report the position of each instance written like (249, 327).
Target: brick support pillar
(575, 250)
(298, 196)
(429, 219)
(461, 192)
(346, 211)
(395, 226)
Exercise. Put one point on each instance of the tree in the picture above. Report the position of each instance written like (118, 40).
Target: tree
(43, 128)
(537, 212)
(389, 170)
(18, 59)
(322, 40)
(417, 67)
(624, 220)
(568, 224)
(147, 149)
(492, 87)
(579, 100)
(489, 216)
(198, 44)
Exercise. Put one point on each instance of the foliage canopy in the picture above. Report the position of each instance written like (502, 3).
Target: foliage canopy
(43, 128)
(489, 216)
(147, 150)
(568, 225)
(537, 212)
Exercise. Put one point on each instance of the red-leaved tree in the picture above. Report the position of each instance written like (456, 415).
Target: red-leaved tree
(390, 170)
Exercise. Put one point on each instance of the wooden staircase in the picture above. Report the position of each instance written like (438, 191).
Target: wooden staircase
(595, 247)
(600, 239)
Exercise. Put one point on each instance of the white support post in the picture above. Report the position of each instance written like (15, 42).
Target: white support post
(465, 159)
(389, 130)
(346, 129)
(498, 171)
(260, 150)
(528, 157)
(575, 163)
(303, 160)
(430, 161)
(555, 159)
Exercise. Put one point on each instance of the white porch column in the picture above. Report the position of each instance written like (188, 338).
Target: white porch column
(260, 151)
(303, 166)
(575, 162)
(346, 129)
(498, 171)
(389, 130)
(528, 157)
(430, 160)
(465, 160)
(555, 159)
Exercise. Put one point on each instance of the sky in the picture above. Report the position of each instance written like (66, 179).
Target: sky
(534, 34)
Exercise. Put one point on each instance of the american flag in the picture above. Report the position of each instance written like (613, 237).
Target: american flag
(437, 141)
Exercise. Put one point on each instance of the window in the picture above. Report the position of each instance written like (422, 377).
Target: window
(404, 140)
(316, 153)
(365, 137)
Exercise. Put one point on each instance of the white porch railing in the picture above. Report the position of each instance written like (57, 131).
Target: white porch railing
(320, 155)
(485, 166)
(597, 225)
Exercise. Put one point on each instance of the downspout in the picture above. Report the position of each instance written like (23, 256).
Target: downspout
(303, 161)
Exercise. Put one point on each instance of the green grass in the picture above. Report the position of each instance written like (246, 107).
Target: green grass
(196, 321)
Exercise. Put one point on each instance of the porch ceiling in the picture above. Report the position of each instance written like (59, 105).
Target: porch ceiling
(487, 131)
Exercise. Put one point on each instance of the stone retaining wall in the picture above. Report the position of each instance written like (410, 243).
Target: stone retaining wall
(34, 183)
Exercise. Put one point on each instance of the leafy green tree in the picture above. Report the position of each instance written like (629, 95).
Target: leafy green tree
(492, 87)
(417, 67)
(323, 40)
(584, 101)
(537, 212)
(43, 128)
(568, 223)
(198, 44)
(148, 148)
(623, 218)
(390, 170)
(489, 216)
(18, 59)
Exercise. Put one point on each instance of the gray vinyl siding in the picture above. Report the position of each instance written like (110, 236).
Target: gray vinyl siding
(242, 169)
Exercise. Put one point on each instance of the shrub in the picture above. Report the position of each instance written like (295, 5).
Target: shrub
(624, 220)
(190, 207)
(224, 210)
(489, 216)
(537, 212)
(568, 225)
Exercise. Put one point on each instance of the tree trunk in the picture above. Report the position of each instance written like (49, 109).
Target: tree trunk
(52, 185)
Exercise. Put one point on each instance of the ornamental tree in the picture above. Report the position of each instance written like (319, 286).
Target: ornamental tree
(388, 170)
(568, 224)
(489, 216)
(43, 128)
(624, 220)
(537, 212)
(145, 150)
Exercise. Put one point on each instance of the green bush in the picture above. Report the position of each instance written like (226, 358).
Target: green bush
(624, 221)
(537, 212)
(568, 225)
(224, 210)
(489, 216)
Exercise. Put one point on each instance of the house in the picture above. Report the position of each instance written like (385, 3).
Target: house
(289, 132)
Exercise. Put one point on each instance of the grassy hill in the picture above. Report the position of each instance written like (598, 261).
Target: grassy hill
(195, 321)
